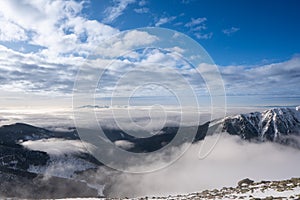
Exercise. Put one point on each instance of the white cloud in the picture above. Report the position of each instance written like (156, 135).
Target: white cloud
(176, 49)
(56, 146)
(32, 73)
(141, 10)
(279, 78)
(142, 2)
(197, 27)
(62, 36)
(195, 22)
(124, 144)
(203, 35)
(112, 13)
(11, 32)
(230, 161)
(21, 72)
(230, 31)
(125, 42)
(55, 25)
(164, 20)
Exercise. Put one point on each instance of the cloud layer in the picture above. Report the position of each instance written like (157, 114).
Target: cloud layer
(56, 146)
(230, 161)
(54, 39)
(272, 79)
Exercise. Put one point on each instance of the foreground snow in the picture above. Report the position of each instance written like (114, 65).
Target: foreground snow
(286, 189)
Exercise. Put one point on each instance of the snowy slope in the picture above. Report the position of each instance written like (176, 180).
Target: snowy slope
(272, 125)
(285, 189)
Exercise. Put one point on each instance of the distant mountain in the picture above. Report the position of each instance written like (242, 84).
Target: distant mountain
(156, 141)
(280, 125)
(15, 132)
(21, 165)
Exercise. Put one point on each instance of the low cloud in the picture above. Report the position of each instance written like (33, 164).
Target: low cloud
(230, 161)
(124, 144)
(3, 119)
(56, 146)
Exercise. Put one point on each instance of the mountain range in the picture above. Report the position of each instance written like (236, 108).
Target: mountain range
(25, 156)
(281, 125)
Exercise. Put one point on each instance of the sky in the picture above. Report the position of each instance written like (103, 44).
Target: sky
(43, 44)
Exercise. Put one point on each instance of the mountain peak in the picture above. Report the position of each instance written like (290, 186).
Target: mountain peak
(272, 124)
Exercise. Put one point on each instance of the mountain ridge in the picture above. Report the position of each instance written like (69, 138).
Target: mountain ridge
(274, 124)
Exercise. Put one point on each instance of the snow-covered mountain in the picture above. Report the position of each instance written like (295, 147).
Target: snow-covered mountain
(277, 124)
(31, 154)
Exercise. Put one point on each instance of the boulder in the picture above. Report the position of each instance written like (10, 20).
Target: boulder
(245, 182)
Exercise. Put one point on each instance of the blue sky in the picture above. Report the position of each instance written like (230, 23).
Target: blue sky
(243, 32)
(235, 32)
(254, 43)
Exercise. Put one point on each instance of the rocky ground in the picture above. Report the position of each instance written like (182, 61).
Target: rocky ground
(286, 189)
(267, 190)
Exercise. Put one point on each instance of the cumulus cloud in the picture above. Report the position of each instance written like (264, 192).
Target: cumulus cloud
(61, 38)
(11, 32)
(230, 161)
(123, 43)
(55, 25)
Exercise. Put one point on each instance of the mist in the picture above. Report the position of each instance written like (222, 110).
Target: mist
(230, 161)
(56, 146)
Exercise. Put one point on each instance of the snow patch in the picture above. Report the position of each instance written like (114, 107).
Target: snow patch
(62, 166)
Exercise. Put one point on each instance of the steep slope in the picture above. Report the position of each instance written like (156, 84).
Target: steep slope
(277, 124)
